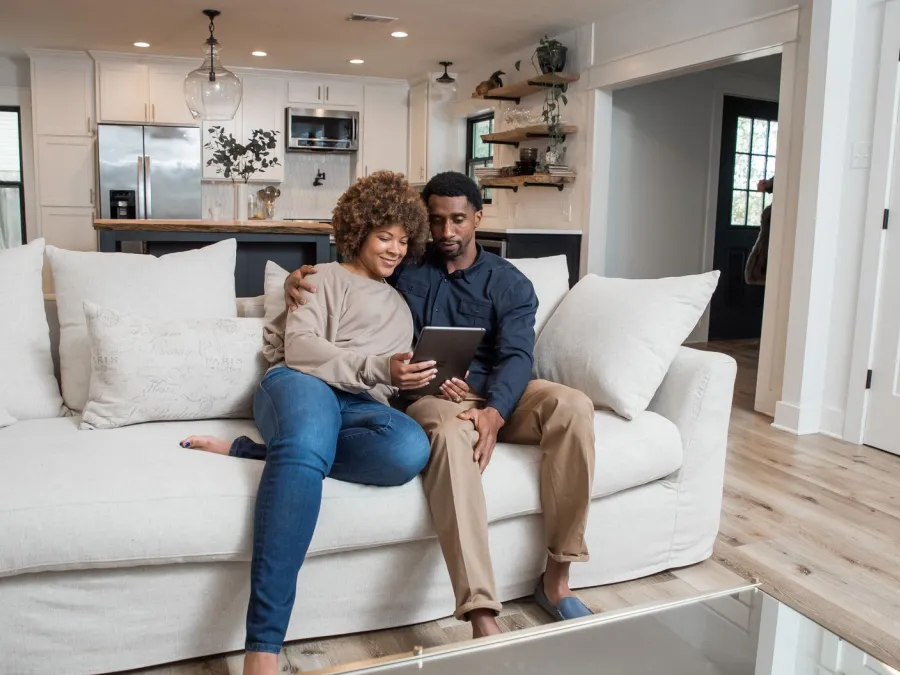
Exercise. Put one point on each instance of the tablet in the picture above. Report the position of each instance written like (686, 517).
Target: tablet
(451, 348)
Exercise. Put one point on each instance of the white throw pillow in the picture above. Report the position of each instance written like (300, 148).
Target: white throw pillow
(151, 370)
(614, 339)
(550, 278)
(195, 284)
(28, 387)
(273, 289)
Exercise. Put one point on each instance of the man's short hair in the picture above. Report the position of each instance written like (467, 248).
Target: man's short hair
(454, 184)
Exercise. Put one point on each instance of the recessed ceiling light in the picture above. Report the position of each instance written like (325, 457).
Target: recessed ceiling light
(141, 44)
(399, 34)
(356, 62)
(258, 53)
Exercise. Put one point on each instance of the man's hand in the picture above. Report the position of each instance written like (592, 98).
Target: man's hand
(294, 286)
(488, 424)
(407, 376)
(455, 389)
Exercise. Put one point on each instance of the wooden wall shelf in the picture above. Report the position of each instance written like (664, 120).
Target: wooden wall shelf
(519, 90)
(537, 180)
(515, 136)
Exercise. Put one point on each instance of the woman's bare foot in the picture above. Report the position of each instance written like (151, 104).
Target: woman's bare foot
(260, 663)
(212, 444)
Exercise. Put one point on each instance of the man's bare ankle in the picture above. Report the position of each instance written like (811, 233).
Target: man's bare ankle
(484, 622)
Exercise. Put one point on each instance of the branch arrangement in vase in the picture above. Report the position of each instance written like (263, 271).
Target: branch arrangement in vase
(239, 161)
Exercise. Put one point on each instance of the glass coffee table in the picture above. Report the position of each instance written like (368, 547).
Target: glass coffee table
(738, 632)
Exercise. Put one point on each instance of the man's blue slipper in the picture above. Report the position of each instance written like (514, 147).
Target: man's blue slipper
(569, 608)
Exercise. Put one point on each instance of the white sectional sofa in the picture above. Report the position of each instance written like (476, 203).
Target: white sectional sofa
(119, 549)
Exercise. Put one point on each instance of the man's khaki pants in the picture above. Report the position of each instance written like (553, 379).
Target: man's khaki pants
(561, 421)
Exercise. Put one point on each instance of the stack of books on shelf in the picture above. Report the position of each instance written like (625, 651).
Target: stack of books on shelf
(560, 170)
(487, 172)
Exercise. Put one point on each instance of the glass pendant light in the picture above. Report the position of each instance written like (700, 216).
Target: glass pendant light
(212, 92)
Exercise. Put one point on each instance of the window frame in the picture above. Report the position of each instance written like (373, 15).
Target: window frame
(472, 161)
(21, 182)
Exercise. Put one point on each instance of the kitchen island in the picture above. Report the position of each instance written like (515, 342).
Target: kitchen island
(290, 244)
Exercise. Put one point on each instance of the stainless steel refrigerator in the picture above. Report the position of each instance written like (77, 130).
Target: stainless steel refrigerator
(149, 171)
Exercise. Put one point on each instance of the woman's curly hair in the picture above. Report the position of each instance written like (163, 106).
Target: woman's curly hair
(382, 199)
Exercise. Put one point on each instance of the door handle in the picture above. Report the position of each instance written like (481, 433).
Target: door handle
(140, 186)
(149, 184)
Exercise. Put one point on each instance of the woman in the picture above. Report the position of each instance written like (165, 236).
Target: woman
(322, 408)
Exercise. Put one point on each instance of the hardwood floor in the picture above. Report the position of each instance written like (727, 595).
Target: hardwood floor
(816, 520)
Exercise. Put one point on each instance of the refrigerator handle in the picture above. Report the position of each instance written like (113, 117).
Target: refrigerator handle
(148, 182)
(140, 186)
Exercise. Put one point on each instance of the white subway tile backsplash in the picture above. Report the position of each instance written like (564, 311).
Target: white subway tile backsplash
(299, 199)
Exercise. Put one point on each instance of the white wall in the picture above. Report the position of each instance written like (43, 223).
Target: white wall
(847, 263)
(15, 83)
(666, 138)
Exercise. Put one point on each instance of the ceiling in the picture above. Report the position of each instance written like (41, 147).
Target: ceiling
(301, 34)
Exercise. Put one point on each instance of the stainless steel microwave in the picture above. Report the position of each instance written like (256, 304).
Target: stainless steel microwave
(321, 130)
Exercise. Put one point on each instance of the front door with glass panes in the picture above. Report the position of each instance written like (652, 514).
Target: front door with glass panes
(749, 137)
(12, 198)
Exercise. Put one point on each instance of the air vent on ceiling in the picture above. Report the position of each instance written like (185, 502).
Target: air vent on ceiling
(371, 18)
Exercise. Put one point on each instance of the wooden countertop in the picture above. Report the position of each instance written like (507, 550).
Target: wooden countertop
(226, 226)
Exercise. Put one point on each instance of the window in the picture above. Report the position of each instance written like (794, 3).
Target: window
(479, 153)
(754, 160)
(12, 197)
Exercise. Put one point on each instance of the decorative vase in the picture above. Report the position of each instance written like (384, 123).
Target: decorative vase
(240, 200)
(552, 60)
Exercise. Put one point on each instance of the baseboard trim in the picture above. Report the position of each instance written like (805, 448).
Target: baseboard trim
(797, 420)
(832, 422)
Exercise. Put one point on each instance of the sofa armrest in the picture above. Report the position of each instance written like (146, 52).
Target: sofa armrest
(696, 395)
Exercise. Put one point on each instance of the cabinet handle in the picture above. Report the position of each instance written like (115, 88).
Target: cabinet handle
(327, 93)
(91, 192)
(89, 124)
(146, 117)
(319, 93)
(153, 111)
(367, 170)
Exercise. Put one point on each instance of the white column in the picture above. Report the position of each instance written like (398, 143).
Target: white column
(831, 51)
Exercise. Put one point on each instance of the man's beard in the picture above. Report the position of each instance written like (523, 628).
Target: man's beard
(455, 253)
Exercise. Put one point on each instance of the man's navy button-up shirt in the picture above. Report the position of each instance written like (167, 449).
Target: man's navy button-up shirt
(491, 294)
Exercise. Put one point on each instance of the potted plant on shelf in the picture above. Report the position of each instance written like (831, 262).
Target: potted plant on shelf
(239, 161)
(550, 57)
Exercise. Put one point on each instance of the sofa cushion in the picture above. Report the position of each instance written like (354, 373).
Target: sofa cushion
(131, 496)
(28, 388)
(614, 339)
(550, 278)
(152, 370)
(188, 285)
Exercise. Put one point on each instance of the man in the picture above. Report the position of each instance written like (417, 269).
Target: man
(459, 284)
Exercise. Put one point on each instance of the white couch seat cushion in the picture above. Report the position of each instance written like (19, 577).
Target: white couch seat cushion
(131, 496)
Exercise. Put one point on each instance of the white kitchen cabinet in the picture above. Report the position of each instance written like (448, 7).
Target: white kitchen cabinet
(69, 228)
(65, 171)
(166, 94)
(136, 91)
(315, 92)
(343, 93)
(62, 94)
(234, 127)
(418, 133)
(385, 128)
(264, 103)
(124, 91)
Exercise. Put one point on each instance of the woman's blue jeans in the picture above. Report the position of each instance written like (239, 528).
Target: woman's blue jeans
(311, 431)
